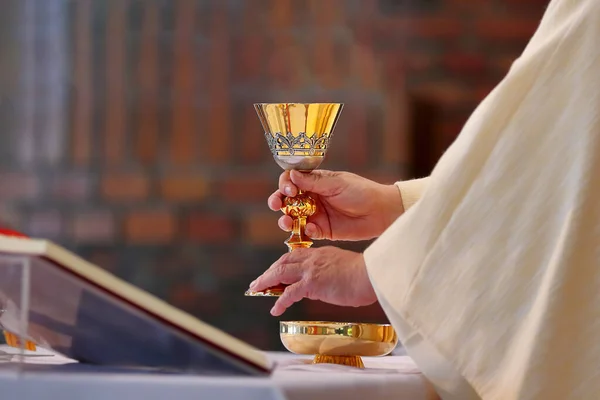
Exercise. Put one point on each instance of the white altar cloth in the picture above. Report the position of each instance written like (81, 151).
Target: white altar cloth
(294, 378)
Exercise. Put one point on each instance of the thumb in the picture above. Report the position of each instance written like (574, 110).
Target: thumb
(321, 182)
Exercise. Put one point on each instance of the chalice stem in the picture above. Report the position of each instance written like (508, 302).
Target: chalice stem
(298, 239)
(299, 207)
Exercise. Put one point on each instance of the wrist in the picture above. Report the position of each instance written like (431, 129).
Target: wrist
(392, 205)
(367, 292)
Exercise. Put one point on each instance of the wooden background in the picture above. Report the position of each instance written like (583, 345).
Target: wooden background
(128, 133)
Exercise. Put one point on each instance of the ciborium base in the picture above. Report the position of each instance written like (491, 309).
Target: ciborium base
(351, 361)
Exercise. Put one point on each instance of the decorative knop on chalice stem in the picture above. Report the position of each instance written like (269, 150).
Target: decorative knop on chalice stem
(299, 208)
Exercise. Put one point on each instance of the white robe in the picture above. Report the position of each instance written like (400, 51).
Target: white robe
(492, 277)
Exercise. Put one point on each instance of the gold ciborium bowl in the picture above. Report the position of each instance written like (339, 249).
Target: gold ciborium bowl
(338, 342)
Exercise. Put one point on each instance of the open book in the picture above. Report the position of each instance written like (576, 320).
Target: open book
(92, 316)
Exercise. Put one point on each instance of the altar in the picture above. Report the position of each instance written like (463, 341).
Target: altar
(72, 331)
(294, 378)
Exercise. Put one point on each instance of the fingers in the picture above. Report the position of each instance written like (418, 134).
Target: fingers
(292, 294)
(285, 223)
(325, 183)
(313, 231)
(275, 201)
(332, 184)
(286, 186)
(283, 271)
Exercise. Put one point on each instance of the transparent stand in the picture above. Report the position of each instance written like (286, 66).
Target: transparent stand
(15, 285)
(51, 318)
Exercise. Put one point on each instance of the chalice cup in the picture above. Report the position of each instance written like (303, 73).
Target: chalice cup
(298, 135)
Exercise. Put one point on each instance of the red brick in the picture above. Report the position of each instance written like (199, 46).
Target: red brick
(71, 187)
(207, 228)
(430, 26)
(506, 29)
(146, 140)
(395, 145)
(246, 189)
(18, 186)
(281, 19)
(295, 78)
(45, 225)
(256, 337)
(115, 130)
(324, 15)
(281, 16)
(82, 80)
(227, 265)
(93, 227)
(183, 136)
(450, 129)
(150, 227)
(208, 304)
(482, 91)
(502, 63)
(464, 63)
(357, 135)
(324, 61)
(253, 145)
(219, 119)
(387, 28)
(184, 188)
(250, 57)
(184, 296)
(364, 66)
(474, 6)
(537, 4)
(421, 62)
(446, 93)
(119, 187)
(275, 66)
(104, 259)
(189, 299)
(261, 229)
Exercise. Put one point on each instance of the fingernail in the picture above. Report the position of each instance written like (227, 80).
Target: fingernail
(272, 311)
(252, 284)
(288, 190)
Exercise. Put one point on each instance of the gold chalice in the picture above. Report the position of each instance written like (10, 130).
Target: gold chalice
(338, 342)
(298, 135)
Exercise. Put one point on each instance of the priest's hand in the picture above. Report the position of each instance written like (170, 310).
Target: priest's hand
(328, 274)
(349, 207)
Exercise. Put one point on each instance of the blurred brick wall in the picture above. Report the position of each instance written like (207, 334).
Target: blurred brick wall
(129, 135)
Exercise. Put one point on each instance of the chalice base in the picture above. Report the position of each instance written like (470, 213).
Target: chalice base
(275, 291)
(351, 361)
